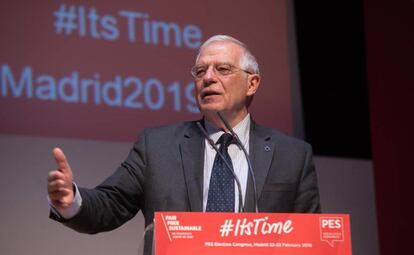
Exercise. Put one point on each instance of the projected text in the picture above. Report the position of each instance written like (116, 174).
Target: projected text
(138, 27)
(129, 91)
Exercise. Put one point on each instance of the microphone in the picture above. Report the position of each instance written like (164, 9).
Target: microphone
(211, 142)
(249, 163)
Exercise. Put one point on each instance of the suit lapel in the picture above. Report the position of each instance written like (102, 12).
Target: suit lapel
(261, 150)
(192, 155)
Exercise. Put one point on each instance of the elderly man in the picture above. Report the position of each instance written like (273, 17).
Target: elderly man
(197, 165)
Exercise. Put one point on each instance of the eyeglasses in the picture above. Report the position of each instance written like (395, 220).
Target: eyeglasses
(219, 69)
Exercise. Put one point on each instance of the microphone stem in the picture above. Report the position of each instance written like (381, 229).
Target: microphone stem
(251, 173)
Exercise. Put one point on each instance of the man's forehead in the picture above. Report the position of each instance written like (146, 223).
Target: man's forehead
(222, 51)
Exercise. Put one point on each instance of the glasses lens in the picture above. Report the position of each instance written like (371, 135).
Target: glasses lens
(221, 69)
(198, 71)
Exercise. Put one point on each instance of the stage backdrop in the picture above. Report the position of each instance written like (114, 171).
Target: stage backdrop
(88, 76)
(104, 70)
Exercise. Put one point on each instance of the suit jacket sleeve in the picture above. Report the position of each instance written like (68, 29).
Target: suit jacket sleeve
(116, 200)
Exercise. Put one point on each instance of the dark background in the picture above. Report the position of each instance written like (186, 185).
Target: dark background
(331, 57)
(356, 64)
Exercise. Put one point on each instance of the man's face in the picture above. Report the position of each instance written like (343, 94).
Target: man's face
(224, 93)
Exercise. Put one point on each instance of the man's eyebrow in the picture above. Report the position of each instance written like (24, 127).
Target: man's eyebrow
(215, 63)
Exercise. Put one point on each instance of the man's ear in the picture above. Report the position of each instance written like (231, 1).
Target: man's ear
(253, 81)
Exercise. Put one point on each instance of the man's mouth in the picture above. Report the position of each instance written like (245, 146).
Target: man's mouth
(208, 94)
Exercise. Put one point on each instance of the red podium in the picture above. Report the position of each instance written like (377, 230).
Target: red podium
(251, 233)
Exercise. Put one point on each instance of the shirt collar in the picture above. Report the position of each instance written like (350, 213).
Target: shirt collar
(241, 129)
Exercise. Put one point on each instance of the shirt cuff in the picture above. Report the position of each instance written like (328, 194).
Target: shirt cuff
(73, 208)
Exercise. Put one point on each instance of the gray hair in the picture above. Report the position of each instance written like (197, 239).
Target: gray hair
(247, 60)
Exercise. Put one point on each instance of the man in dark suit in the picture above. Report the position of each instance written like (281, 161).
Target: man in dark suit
(171, 168)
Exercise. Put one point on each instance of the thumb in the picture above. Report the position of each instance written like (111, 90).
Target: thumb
(61, 161)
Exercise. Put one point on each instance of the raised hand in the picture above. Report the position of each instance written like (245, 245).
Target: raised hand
(60, 182)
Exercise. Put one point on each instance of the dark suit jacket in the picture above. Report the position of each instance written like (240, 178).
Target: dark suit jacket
(164, 172)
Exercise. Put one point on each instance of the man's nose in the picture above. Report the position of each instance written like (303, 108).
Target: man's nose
(210, 76)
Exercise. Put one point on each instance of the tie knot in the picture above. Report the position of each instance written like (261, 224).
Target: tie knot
(225, 140)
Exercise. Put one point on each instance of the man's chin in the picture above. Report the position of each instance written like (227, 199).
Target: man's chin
(210, 108)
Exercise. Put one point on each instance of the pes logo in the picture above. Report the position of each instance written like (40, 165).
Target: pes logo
(331, 229)
(331, 223)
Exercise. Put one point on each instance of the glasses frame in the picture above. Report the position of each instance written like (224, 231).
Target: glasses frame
(231, 70)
